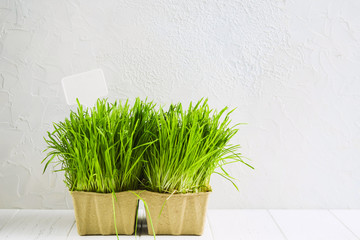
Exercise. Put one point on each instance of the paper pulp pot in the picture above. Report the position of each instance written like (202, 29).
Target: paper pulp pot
(94, 212)
(176, 214)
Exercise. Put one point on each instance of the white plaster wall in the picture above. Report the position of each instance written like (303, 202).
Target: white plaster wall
(290, 67)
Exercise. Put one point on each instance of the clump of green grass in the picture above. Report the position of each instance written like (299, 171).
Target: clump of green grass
(101, 149)
(189, 145)
(118, 147)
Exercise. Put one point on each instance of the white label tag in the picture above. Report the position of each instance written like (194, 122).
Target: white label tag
(87, 87)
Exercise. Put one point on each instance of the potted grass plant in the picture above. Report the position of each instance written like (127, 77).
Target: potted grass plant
(190, 146)
(101, 151)
(114, 154)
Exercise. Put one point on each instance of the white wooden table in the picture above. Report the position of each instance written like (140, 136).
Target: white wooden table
(221, 225)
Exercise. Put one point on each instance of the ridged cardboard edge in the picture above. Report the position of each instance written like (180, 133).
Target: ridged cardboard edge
(95, 216)
(176, 214)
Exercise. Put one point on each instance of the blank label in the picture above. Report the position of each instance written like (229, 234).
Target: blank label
(87, 87)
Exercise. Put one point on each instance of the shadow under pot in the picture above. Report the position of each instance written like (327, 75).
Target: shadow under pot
(94, 212)
(176, 214)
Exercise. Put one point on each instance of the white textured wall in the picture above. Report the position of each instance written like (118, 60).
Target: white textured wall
(291, 68)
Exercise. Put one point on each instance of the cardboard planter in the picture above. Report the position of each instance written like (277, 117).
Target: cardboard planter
(176, 214)
(94, 212)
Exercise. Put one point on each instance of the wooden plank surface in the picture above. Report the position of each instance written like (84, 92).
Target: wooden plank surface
(221, 224)
(243, 225)
(350, 218)
(311, 225)
(6, 215)
(38, 224)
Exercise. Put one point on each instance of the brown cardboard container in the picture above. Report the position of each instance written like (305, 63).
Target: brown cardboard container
(181, 214)
(94, 212)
